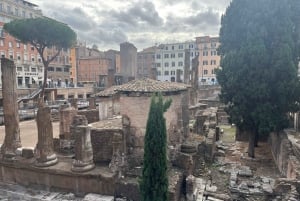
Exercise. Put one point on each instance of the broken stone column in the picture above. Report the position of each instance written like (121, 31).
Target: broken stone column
(12, 139)
(83, 150)
(45, 151)
(78, 120)
(66, 118)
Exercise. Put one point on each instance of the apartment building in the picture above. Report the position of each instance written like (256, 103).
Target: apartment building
(146, 63)
(173, 60)
(15, 9)
(59, 69)
(27, 60)
(94, 70)
(209, 60)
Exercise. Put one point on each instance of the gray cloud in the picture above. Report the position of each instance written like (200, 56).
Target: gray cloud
(142, 22)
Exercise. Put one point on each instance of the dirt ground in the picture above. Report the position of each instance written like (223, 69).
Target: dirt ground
(28, 132)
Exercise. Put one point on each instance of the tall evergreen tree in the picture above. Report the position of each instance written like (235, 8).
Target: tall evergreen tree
(259, 50)
(154, 183)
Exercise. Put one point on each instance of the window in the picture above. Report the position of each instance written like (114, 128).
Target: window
(25, 47)
(205, 63)
(213, 44)
(180, 47)
(39, 60)
(1, 7)
(25, 57)
(66, 69)
(166, 56)
(157, 64)
(180, 55)
(166, 48)
(23, 14)
(1, 33)
(19, 68)
(166, 72)
(166, 64)
(8, 9)
(213, 62)
(180, 63)
(173, 63)
(2, 54)
(173, 47)
(173, 55)
(205, 72)
(213, 71)
(192, 54)
(33, 69)
(191, 46)
(158, 56)
(51, 69)
(158, 73)
(11, 55)
(173, 72)
(213, 53)
(32, 48)
(18, 45)
(32, 58)
(1, 43)
(58, 69)
(18, 57)
(10, 44)
(26, 68)
(205, 53)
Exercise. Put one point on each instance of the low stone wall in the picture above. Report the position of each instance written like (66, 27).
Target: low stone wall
(91, 115)
(100, 180)
(284, 156)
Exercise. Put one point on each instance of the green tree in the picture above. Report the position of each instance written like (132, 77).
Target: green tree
(154, 183)
(259, 50)
(42, 33)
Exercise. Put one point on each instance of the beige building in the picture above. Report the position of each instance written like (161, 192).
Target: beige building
(146, 63)
(209, 60)
(15, 9)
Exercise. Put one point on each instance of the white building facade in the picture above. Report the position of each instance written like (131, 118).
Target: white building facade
(172, 59)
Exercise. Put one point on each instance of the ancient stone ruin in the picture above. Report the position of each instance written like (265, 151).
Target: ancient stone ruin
(100, 150)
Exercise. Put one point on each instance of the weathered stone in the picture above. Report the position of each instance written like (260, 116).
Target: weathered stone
(28, 152)
(83, 150)
(45, 151)
(10, 109)
(190, 187)
(97, 197)
(66, 119)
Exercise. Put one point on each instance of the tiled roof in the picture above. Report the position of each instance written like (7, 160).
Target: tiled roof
(107, 92)
(149, 85)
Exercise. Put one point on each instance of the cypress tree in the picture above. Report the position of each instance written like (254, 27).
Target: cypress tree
(260, 54)
(154, 182)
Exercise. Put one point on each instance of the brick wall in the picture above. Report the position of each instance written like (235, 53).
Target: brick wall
(91, 115)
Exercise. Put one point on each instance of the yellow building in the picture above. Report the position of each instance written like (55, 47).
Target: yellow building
(209, 60)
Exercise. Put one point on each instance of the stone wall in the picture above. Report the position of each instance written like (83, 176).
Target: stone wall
(284, 156)
(102, 142)
(99, 181)
(177, 116)
(109, 106)
(91, 115)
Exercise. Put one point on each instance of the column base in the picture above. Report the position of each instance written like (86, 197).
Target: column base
(50, 160)
(79, 166)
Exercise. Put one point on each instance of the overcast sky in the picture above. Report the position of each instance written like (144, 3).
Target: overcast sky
(107, 23)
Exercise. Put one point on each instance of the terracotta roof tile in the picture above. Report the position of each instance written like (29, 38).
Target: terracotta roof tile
(150, 85)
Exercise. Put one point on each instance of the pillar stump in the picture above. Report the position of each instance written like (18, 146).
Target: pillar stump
(12, 139)
(45, 152)
(83, 150)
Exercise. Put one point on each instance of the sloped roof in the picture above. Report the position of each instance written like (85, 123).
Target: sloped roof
(107, 92)
(149, 86)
